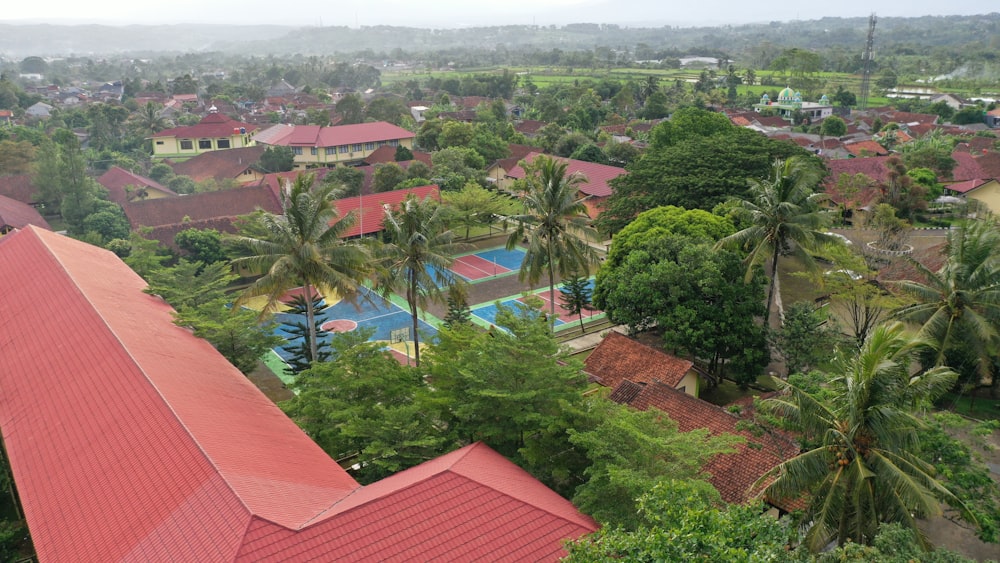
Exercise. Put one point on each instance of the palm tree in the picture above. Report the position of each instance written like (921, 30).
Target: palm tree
(556, 224)
(862, 469)
(415, 257)
(960, 303)
(148, 119)
(303, 247)
(784, 216)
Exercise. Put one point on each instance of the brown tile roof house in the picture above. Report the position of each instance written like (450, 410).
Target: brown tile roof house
(619, 358)
(19, 187)
(18, 215)
(989, 163)
(216, 210)
(116, 179)
(966, 167)
(733, 475)
(529, 127)
(874, 167)
(866, 148)
(238, 164)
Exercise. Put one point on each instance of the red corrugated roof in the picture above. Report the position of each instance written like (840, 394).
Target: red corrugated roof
(369, 210)
(130, 439)
(597, 175)
(212, 125)
(471, 504)
(618, 358)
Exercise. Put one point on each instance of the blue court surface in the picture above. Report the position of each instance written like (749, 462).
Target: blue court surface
(388, 320)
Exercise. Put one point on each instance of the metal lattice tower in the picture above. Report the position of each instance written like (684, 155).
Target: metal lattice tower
(867, 59)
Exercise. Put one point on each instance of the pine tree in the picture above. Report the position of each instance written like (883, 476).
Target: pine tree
(298, 335)
(577, 296)
(458, 307)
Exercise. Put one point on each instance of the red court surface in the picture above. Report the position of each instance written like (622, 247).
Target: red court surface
(474, 267)
(561, 312)
(339, 325)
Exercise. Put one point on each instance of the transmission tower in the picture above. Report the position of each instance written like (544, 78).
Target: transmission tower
(867, 59)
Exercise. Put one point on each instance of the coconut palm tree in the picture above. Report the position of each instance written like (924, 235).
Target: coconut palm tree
(861, 468)
(148, 119)
(960, 302)
(303, 247)
(784, 216)
(556, 224)
(415, 257)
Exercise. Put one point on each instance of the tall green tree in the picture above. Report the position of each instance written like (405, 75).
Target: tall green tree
(784, 216)
(472, 206)
(303, 246)
(556, 224)
(576, 296)
(277, 159)
(415, 257)
(861, 466)
(959, 304)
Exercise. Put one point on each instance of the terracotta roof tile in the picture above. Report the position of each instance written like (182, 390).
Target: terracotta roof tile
(866, 148)
(966, 167)
(220, 165)
(18, 187)
(619, 357)
(116, 178)
(17, 215)
(597, 175)
(199, 207)
(732, 474)
(989, 163)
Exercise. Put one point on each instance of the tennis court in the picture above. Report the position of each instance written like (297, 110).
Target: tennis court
(487, 313)
(486, 264)
(391, 323)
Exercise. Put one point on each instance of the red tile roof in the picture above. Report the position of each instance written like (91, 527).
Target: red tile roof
(597, 175)
(866, 148)
(212, 125)
(372, 207)
(199, 207)
(116, 178)
(134, 440)
(873, 167)
(967, 186)
(383, 154)
(17, 215)
(989, 163)
(18, 187)
(619, 357)
(921, 129)
(529, 127)
(316, 136)
(966, 167)
(732, 474)
(220, 165)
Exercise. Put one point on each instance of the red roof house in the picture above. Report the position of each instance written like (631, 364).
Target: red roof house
(17, 215)
(733, 475)
(131, 439)
(966, 167)
(370, 209)
(596, 188)
(233, 164)
(619, 358)
(116, 179)
(19, 187)
(865, 148)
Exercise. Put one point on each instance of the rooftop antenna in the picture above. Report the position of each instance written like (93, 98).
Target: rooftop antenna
(866, 58)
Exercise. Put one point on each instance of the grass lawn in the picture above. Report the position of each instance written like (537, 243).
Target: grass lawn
(982, 408)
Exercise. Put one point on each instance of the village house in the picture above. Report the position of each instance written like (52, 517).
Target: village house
(595, 189)
(135, 440)
(18, 215)
(316, 146)
(124, 186)
(240, 165)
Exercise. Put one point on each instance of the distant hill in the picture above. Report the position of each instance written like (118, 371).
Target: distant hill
(18, 41)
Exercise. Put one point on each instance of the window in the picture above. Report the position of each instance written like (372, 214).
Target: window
(394, 143)
(369, 146)
(248, 172)
(297, 150)
(381, 144)
(187, 145)
(222, 143)
(330, 150)
(313, 151)
(344, 148)
(204, 143)
(159, 142)
(356, 148)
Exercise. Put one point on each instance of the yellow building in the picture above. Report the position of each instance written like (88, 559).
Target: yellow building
(986, 192)
(316, 146)
(214, 132)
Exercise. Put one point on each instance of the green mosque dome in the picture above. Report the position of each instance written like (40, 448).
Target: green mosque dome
(786, 95)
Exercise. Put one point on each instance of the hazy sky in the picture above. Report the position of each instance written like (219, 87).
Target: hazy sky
(464, 13)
